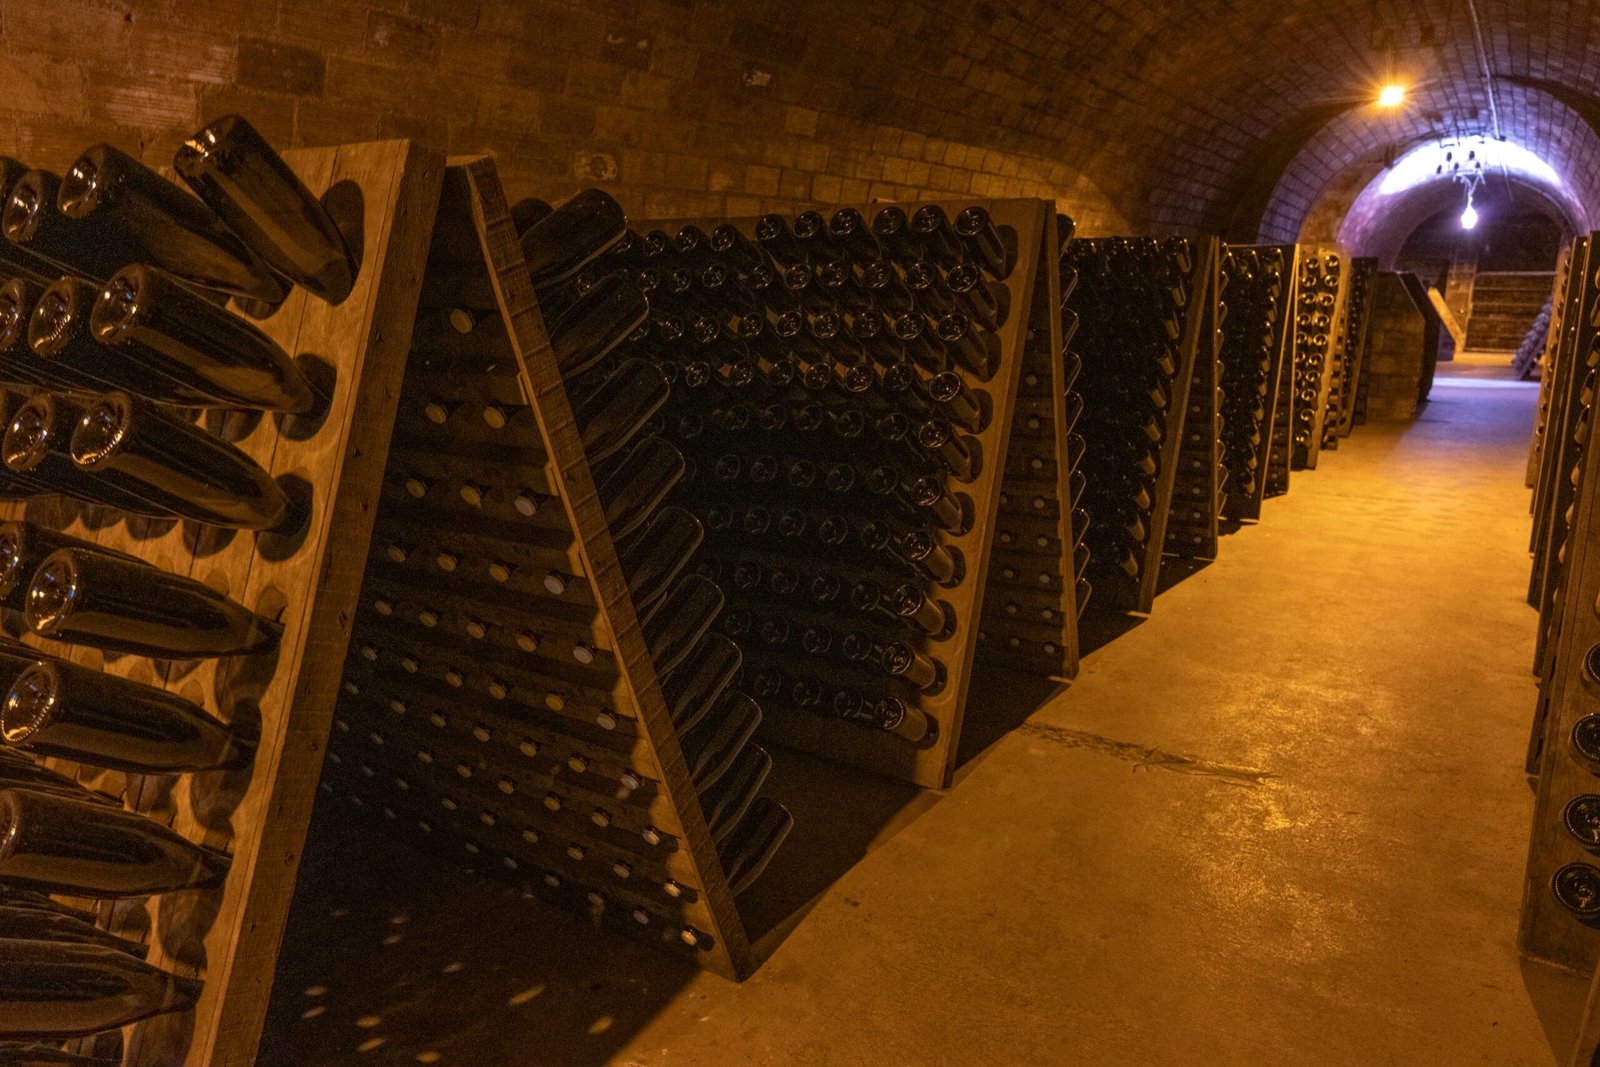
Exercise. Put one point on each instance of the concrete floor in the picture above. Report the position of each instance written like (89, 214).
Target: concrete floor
(1281, 821)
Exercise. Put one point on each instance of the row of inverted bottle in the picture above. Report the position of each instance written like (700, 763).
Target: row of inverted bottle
(251, 230)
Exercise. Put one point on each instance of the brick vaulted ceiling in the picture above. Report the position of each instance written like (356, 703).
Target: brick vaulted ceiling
(1229, 116)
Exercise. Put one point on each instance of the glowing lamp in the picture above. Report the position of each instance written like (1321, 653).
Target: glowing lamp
(1469, 217)
(1391, 96)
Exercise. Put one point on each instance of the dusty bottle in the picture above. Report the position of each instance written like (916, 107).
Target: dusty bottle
(59, 991)
(95, 850)
(679, 619)
(177, 465)
(162, 224)
(594, 324)
(754, 841)
(70, 712)
(154, 324)
(93, 599)
(239, 176)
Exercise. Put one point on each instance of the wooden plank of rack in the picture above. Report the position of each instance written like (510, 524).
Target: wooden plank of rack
(1552, 344)
(1561, 370)
(231, 937)
(1204, 424)
(1586, 1050)
(729, 954)
(1548, 931)
(1029, 595)
(1564, 450)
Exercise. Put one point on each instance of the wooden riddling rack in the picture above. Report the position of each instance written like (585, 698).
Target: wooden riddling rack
(1566, 826)
(229, 936)
(1559, 450)
(1363, 286)
(1256, 338)
(506, 705)
(1319, 310)
(1030, 226)
(1200, 484)
(1129, 326)
(1036, 571)
(1280, 442)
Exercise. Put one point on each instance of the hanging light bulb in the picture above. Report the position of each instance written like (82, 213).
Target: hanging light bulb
(1469, 217)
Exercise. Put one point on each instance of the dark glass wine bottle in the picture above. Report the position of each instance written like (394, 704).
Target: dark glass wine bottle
(71, 712)
(679, 619)
(711, 748)
(984, 242)
(56, 991)
(164, 331)
(572, 236)
(32, 924)
(35, 225)
(653, 557)
(610, 417)
(18, 363)
(109, 189)
(177, 465)
(94, 599)
(753, 842)
(692, 690)
(38, 446)
(596, 323)
(632, 490)
(23, 546)
(60, 335)
(95, 850)
(239, 176)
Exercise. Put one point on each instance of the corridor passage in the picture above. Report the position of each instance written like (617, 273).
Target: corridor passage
(1215, 846)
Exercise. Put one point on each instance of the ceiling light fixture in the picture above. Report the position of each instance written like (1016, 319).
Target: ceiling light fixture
(1391, 96)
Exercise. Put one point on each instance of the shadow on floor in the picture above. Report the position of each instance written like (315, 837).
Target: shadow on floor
(1001, 701)
(1096, 629)
(1559, 1002)
(398, 954)
(840, 814)
(1176, 569)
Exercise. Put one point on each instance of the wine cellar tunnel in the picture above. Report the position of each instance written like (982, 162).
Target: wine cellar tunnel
(678, 532)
